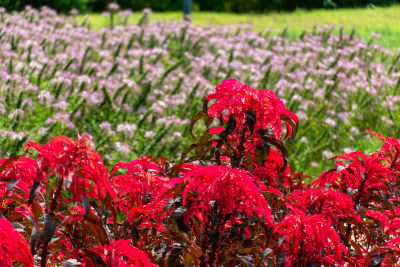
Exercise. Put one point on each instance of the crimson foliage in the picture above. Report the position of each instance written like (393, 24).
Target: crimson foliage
(232, 200)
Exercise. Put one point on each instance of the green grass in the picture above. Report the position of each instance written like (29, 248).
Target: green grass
(384, 20)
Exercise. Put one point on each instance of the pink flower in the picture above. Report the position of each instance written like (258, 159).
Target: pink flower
(123, 148)
(330, 122)
(74, 12)
(113, 6)
(149, 134)
(386, 120)
(147, 11)
(105, 125)
(315, 164)
(327, 154)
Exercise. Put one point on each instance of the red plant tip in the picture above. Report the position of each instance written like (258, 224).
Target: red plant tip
(251, 108)
(84, 142)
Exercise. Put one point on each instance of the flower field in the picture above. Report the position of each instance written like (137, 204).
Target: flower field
(134, 88)
(175, 164)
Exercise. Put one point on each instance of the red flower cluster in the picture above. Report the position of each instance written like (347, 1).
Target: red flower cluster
(309, 240)
(120, 254)
(240, 204)
(357, 171)
(76, 165)
(228, 192)
(253, 121)
(332, 205)
(243, 103)
(141, 192)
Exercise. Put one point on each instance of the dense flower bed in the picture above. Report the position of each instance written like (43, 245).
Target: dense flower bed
(132, 87)
(232, 199)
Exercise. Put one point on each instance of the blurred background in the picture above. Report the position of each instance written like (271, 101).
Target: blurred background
(236, 6)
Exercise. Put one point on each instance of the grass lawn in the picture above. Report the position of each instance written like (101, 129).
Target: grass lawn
(385, 21)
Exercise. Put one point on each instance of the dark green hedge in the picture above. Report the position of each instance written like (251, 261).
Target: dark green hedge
(93, 5)
(286, 5)
(59, 5)
(237, 6)
(156, 5)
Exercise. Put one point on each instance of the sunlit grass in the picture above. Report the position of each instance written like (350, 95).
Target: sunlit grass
(384, 21)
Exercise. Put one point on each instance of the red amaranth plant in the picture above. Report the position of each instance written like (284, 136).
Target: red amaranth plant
(214, 207)
(252, 110)
(231, 201)
(250, 121)
(141, 198)
(76, 165)
(65, 171)
(332, 205)
(228, 191)
(357, 171)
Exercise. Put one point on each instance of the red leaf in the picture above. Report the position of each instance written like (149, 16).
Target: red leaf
(216, 130)
(13, 246)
